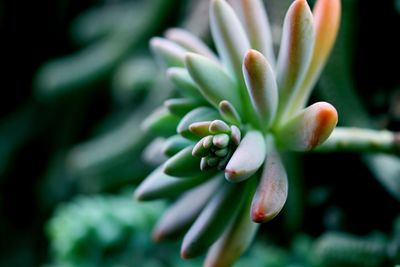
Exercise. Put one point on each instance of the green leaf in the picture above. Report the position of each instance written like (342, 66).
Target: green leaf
(272, 191)
(183, 164)
(213, 220)
(160, 185)
(174, 144)
(308, 129)
(218, 126)
(229, 113)
(190, 42)
(169, 53)
(235, 135)
(180, 77)
(185, 210)
(221, 140)
(197, 115)
(181, 106)
(256, 23)
(229, 36)
(248, 157)
(234, 241)
(261, 85)
(161, 122)
(295, 53)
(199, 150)
(200, 128)
(326, 20)
(214, 84)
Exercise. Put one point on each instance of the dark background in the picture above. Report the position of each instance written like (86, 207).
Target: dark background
(34, 31)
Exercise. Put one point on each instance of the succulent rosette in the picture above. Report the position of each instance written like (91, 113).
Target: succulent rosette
(234, 115)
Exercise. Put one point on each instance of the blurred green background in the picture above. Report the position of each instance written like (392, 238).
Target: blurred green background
(78, 79)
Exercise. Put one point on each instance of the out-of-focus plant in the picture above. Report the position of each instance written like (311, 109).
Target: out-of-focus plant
(90, 231)
(340, 249)
(238, 113)
(113, 231)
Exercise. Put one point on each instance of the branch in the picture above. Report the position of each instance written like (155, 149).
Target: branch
(351, 139)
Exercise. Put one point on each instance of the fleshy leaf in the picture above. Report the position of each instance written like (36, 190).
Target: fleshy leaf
(295, 52)
(199, 150)
(190, 42)
(200, 128)
(308, 129)
(214, 84)
(160, 185)
(234, 241)
(229, 36)
(235, 135)
(221, 140)
(258, 29)
(180, 77)
(182, 164)
(214, 218)
(196, 115)
(272, 191)
(174, 144)
(248, 157)
(229, 113)
(169, 53)
(161, 122)
(326, 20)
(261, 85)
(185, 210)
(218, 126)
(181, 106)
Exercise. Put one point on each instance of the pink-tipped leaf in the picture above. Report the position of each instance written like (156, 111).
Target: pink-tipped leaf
(272, 190)
(308, 129)
(261, 85)
(248, 157)
(295, 52)
(326, 21)
(258, 29)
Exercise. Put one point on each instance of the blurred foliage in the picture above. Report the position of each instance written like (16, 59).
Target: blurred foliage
(70, 111)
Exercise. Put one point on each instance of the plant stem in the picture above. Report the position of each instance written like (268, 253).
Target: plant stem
(352, 139)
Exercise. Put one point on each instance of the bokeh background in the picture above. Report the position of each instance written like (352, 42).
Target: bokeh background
(77, 80)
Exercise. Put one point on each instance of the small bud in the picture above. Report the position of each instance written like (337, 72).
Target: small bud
(221, 152)
(199, 150)
(218, 126)
(235, 135)
(221, 140)
(200, 128)
(208, 141)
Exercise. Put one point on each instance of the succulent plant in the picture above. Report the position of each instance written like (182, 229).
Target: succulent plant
(237, 113)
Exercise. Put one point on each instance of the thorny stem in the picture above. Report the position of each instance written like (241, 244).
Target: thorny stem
(352, 139)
